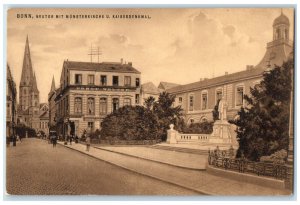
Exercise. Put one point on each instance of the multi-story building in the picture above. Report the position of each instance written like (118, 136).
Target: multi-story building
(90, 91)
(11, 103)
(29, 100)
(44, 118)
(199, 98)
(51, 104)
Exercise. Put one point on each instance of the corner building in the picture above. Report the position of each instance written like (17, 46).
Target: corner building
(88, 92)
(199, 98)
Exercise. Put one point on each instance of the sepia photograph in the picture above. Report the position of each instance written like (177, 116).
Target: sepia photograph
(184, 102)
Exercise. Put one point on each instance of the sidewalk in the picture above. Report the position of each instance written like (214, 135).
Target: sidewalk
(196, 180)
(184, 160)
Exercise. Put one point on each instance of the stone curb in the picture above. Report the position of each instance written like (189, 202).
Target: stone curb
(140, 173)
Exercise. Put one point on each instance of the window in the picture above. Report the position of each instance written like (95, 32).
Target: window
(78, 79)
(115, 80)
(191, 103)
(127, 101)
(192, 121)
(91, 79)
(91, 106)
(204, 101)
(103, 106)
(137, 82)
(127, 80)
(180, 99)
(78, 105)
(115, 104)
(103, 80)
(91, 126)
(239, 96)
(137, 99)
(219, 95)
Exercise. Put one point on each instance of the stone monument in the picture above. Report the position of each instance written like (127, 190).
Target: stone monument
(171, 138)
(222, 129)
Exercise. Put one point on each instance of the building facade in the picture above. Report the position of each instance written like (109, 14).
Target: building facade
(11, 103)
(90, 91)
(51, 104)
(29, 100)
(44, 118)
(198, 99)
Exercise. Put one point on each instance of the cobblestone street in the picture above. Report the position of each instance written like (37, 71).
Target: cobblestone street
(35, 168)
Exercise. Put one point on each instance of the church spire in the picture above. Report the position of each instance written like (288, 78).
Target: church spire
(34, 85)
(27, 71)
(53, 85)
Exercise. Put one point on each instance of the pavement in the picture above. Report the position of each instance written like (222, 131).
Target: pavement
(35, 168)
(187, 177)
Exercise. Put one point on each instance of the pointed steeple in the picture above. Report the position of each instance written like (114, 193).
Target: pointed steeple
(53, 85)
(34, 85)
(27, 71)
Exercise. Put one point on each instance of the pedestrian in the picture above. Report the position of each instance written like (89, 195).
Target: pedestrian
(14, 140)
(76, 139)
(71, 138)
(54, 141)
(18, 138)
(7, 141)
(88, 143)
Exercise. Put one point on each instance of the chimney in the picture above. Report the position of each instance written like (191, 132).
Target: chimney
(130, 63)
(226, 73)
(121, 61)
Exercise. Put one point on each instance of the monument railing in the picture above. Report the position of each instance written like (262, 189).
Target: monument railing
(192, 137)
(225, 160)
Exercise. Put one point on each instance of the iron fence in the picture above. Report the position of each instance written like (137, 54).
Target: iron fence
(228, 162)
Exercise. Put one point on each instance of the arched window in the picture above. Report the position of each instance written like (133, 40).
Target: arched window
(278, 34)
(91, 106)
(78, 105)
(103, 106)
(115, 104)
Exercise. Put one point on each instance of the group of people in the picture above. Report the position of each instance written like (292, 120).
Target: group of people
(70, 138)
(13, 138)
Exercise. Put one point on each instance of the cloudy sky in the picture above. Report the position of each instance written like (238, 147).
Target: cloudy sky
(174, 45)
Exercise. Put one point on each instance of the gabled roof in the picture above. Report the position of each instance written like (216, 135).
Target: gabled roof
(225, 79)
(104, 66)
(167, 85)
(44, 114)
(43, 104)
(150, 88)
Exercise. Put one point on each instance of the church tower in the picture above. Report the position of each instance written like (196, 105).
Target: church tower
(26, 80)
(28, 92)
(280, 48)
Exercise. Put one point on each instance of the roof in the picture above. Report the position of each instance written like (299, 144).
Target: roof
(218, 80)
(44, 115)
(150, 88)
(282, 19)
(104, 66)
(43, 104)
(167, 85)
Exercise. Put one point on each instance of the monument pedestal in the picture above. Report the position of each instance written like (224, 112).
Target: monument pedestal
(171, 135)
(222, 133)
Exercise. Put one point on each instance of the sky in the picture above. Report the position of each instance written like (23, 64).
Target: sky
(173, 45)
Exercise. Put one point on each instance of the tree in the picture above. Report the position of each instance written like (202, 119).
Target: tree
(263, 125)
(166, 113)
(130, 123)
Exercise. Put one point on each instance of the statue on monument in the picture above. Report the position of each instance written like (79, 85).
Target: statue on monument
(222, 109)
